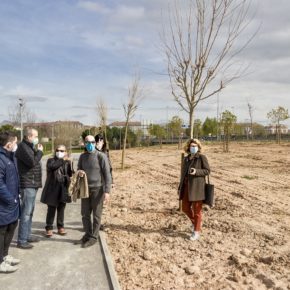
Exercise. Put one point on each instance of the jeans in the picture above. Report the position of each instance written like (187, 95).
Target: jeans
(6, 236)
(28, 196)
(51, 214)
(93, 204)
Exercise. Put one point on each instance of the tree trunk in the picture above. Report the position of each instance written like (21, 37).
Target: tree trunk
(124, 146)
(191, 122)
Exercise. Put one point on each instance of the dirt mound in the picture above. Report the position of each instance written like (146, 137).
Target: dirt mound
(245, 241)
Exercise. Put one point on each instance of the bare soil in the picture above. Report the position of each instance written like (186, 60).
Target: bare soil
(245, 242)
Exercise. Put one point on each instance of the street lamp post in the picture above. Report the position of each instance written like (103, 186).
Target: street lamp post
(21, 121)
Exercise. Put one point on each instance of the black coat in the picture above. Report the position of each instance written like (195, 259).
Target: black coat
(29, 166)
(196, 183)
(59, 172)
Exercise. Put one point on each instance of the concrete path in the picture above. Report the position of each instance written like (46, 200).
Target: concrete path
(56, 263)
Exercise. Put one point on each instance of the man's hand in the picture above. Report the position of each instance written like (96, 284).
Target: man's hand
(39, 147)
(107, 198)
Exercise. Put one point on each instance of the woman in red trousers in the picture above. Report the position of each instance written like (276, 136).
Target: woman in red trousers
(192, 182)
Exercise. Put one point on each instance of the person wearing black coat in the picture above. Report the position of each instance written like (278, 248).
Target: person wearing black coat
(55, 191)
(28, 154)
(192, 183)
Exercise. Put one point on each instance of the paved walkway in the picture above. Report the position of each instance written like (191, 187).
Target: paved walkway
(56, 263)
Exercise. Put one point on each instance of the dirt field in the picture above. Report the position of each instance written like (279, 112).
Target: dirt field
(245, 241)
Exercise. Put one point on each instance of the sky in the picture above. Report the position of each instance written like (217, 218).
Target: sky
(61, 56)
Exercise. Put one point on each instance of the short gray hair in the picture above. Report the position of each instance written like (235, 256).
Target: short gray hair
(28, 132)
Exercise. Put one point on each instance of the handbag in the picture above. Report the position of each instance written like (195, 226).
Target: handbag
(66, 198)
(208, 193)
(63, 179)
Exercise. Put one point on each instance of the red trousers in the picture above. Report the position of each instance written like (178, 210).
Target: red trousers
(192, 209)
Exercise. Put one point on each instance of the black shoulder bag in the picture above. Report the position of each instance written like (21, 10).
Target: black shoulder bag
(208, 193)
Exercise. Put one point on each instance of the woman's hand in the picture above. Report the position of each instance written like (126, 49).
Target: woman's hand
(192, 171)
(81, 173)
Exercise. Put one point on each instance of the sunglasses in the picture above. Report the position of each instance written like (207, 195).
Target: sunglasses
(58, 150)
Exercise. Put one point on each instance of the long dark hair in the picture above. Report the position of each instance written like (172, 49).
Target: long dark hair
(99, 137)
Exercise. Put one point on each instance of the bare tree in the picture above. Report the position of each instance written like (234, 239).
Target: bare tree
(102, 111)
(17, 109)
(250, 107)
(135, 95)
(200, 46)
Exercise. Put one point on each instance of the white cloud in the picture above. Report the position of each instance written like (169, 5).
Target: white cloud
(93, 7)
(128, 13)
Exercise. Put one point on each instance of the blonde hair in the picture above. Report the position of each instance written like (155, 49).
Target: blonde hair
(195, 141)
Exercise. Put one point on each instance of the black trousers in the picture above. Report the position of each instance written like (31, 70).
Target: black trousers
(6, 236)
(51, 214)
(91, 209)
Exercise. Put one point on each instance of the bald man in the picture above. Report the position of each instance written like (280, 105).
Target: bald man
(97, 168)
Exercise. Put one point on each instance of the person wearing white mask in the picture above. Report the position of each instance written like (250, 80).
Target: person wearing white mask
(9, 199)
(54, 194)
(28, 154)
(192, 183)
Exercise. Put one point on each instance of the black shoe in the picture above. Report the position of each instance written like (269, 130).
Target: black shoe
(33, 239)
(81, 241)
(89, 243)
(25, 246)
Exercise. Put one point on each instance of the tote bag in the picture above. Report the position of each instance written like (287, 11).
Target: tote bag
(209, 193)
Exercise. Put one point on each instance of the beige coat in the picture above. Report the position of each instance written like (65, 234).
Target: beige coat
(78, 187)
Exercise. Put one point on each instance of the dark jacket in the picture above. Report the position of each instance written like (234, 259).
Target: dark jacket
(57, 181)
(29, 165)
(9, 188)
(196, 182)
(97, 169)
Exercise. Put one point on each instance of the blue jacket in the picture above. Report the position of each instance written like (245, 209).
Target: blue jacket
(9, 188)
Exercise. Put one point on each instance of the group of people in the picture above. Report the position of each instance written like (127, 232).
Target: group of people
(21, 177)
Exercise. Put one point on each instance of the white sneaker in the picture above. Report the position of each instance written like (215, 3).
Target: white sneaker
(7, 268)
(195, 236)
(10, 260)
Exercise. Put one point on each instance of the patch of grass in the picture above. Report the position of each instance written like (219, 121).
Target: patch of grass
(249, 177)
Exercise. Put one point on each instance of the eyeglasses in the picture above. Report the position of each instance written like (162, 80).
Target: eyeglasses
(58, 150)
(92, 142)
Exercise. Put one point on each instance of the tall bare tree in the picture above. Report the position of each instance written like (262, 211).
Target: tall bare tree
(200, 45)
(250, 108)
(102, 111)
(135, 95)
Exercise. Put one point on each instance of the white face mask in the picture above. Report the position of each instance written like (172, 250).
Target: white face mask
(193, 150)
(99, 146)
(60, 155)
(14, 148)
(35, 141)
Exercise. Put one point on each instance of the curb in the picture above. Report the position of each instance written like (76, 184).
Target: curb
(114, 283)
